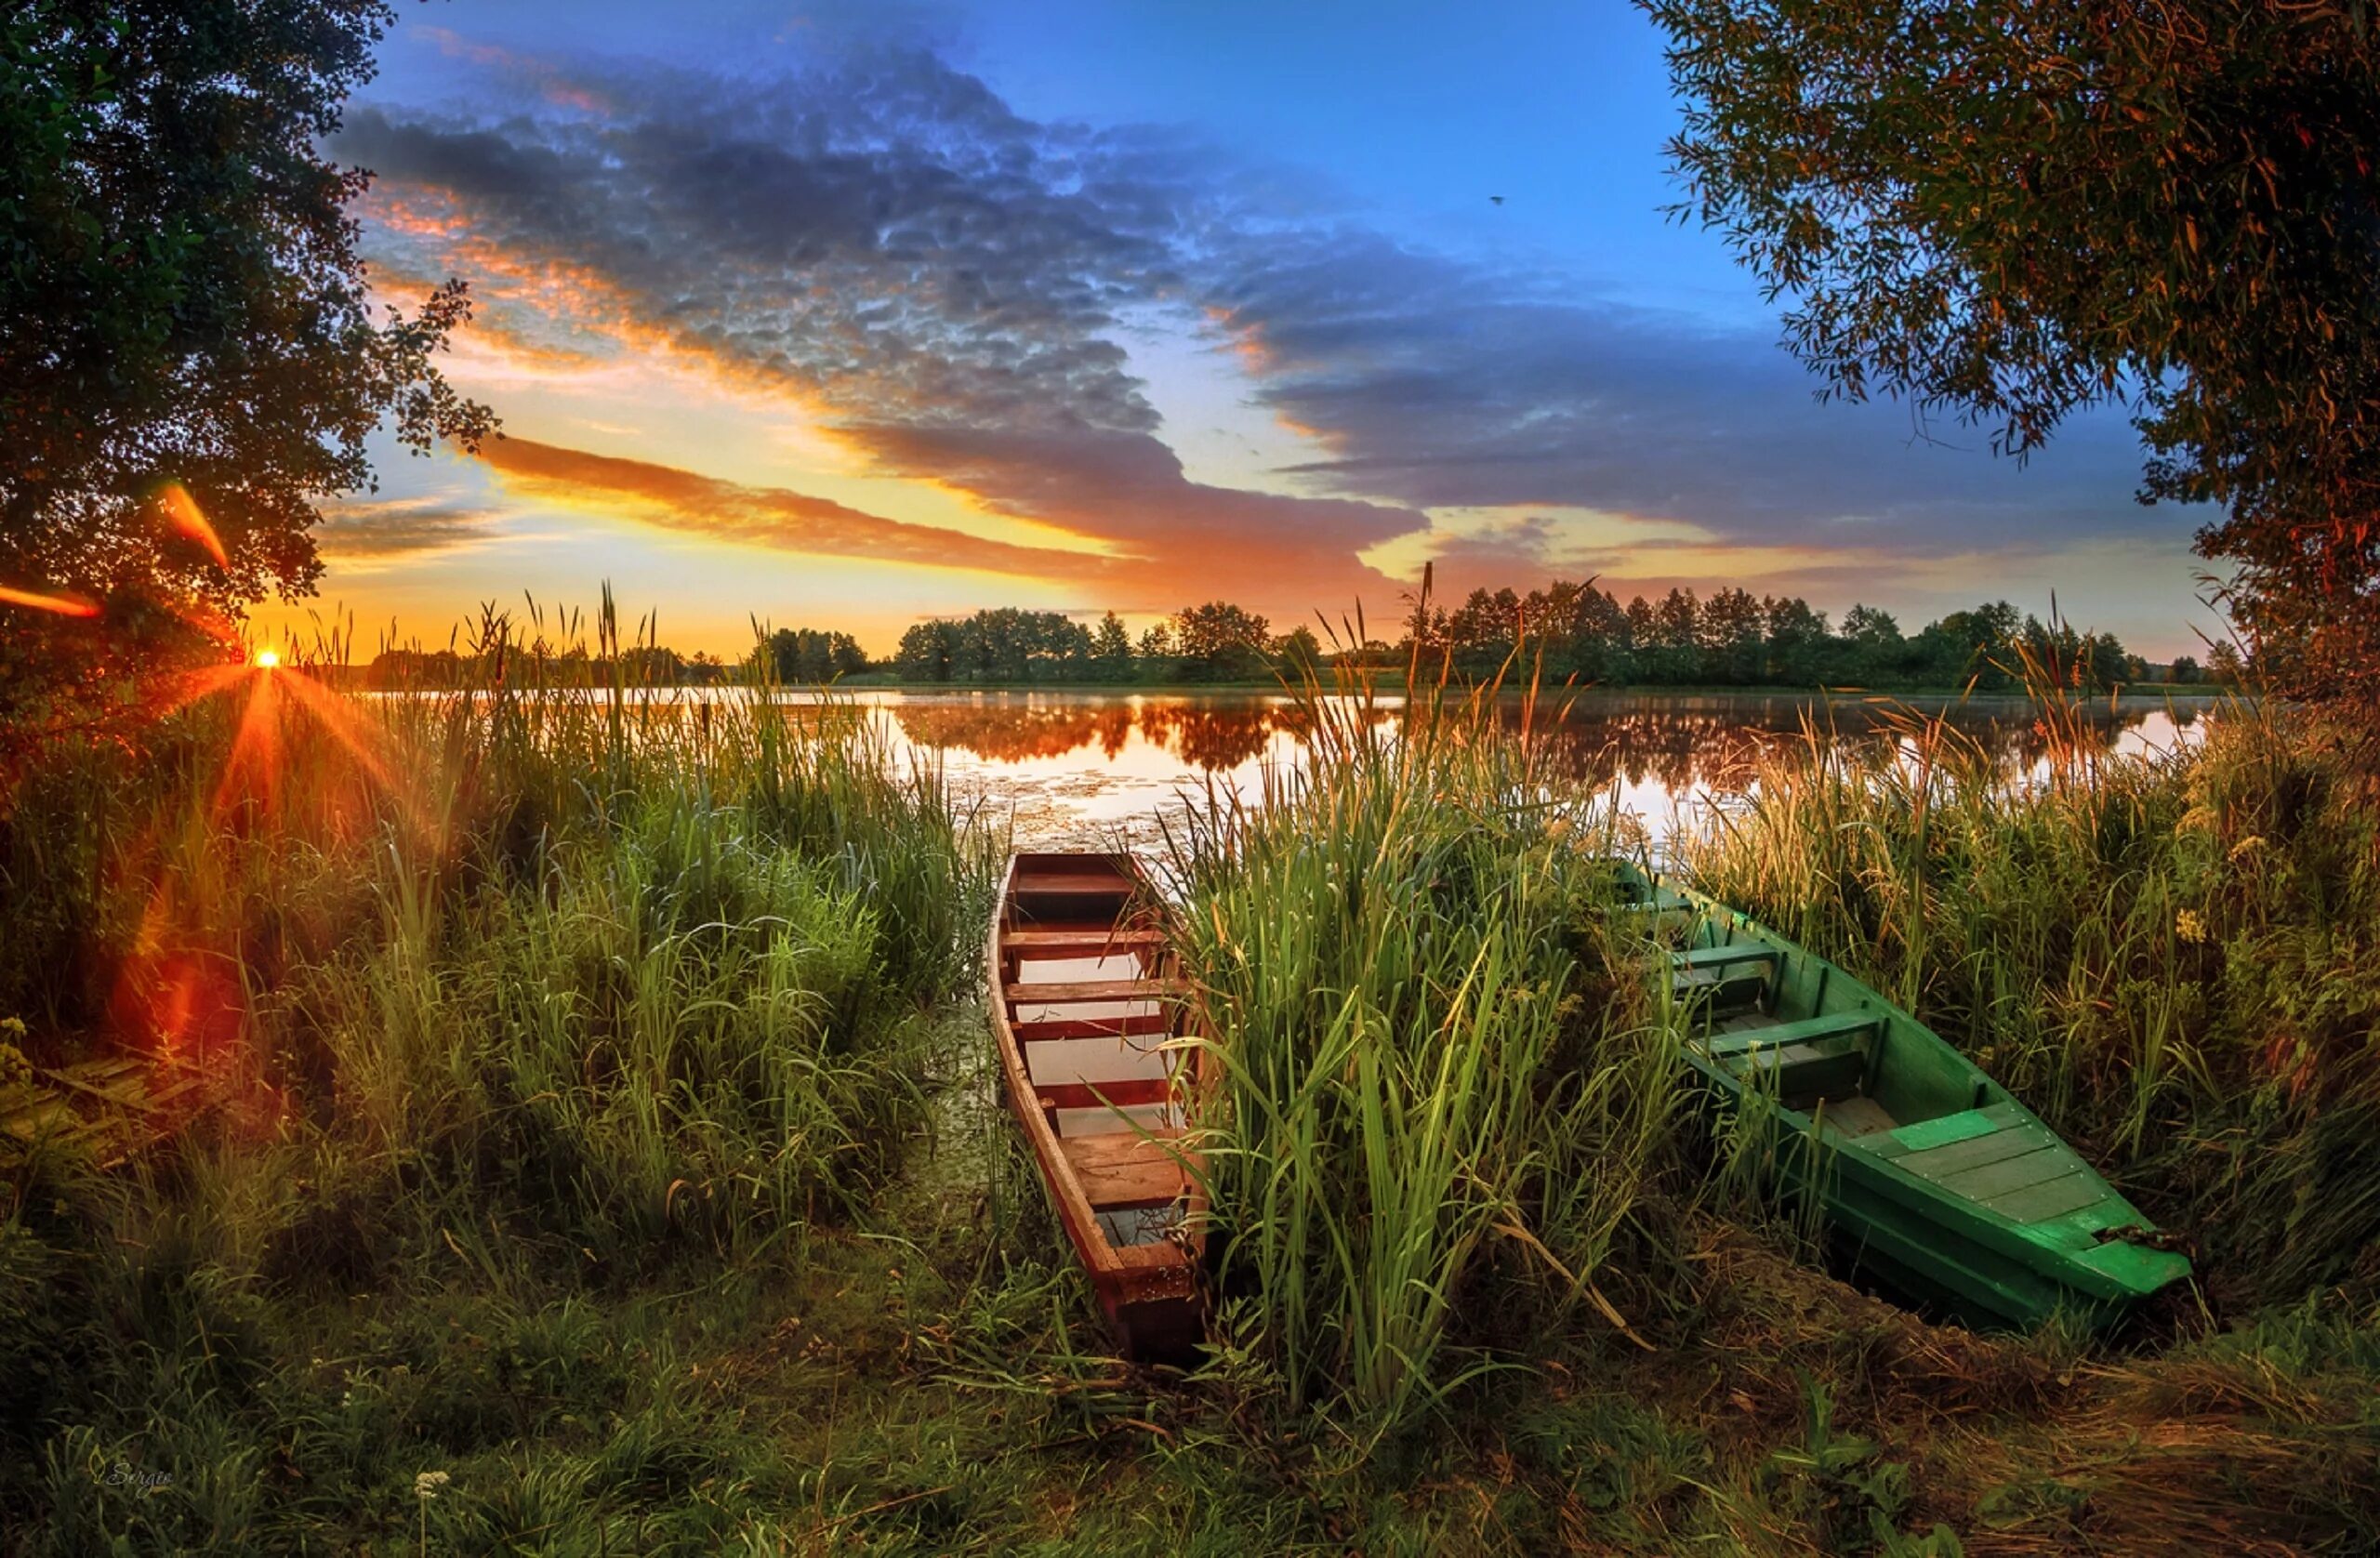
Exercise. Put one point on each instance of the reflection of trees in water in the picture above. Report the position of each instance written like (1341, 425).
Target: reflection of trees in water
(1679, 743)
(1683, 745)
(1010, 732)
(1209, 736)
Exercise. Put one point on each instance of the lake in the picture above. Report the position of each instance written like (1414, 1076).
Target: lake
(1082, 769)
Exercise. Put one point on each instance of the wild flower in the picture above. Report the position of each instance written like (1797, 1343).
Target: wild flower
(426, 1484)
(2190, 926)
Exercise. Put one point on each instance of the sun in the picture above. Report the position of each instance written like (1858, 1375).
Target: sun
(266, 659)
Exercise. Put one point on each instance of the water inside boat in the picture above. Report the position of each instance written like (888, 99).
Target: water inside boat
(1093, 1011)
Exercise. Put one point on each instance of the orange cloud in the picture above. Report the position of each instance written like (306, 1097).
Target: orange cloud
(773, 517)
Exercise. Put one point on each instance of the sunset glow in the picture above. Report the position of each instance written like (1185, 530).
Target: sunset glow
(1116, 314)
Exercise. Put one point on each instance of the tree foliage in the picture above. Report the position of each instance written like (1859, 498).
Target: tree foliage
(181, 297)
(2008, 212)
(807, 654)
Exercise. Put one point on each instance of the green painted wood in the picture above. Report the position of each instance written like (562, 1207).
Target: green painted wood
(1940, 1164)
(2048, 1160)
(1966, 1196)
(1923, 1135)
(1723, 956)
(2053, 1198)
(1771, 1035)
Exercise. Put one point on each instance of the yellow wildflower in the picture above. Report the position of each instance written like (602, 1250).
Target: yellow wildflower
(2247, 846)
(2189, 926)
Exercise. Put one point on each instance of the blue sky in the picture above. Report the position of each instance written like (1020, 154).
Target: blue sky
(848, 314)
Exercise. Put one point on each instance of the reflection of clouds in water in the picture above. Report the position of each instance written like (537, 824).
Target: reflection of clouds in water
(1085, 769)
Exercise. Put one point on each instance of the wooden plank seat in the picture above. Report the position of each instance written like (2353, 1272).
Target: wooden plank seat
(1723, 957)
(1124, 1168)
(1066, 993)
(1129, 1092)
(1815, 1058)
(1141, 1025)
(1745, 1037)
(1725, 986)
(1074, 884)
(1055, 941)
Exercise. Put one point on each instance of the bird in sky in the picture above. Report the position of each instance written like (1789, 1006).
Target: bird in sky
(1497, 199)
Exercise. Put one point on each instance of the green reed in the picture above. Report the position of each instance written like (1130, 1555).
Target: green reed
(1433, 1105)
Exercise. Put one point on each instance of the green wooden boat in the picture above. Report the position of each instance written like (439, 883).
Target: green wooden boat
(1935, 1178)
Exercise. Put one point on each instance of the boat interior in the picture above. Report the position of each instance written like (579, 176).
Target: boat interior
(1093, 1000)
(1872, 1078)
(1797, 1027)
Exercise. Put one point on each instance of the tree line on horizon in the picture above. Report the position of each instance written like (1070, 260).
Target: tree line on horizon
(1563, 632)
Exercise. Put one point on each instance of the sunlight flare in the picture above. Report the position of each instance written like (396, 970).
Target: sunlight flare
(64, 605)
(188, 520)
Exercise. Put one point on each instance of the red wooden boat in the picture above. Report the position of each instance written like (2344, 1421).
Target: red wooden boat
(1088, 1001)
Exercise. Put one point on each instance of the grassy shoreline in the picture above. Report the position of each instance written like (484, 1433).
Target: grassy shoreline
(616, 1143)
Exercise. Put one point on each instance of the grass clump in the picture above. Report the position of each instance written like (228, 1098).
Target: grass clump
(516, 1002)
(1434, 1104)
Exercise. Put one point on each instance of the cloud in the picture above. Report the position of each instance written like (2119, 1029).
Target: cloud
(788, 521)
(761, 516)
(1437, 382)
(375, 533)
(945, 285)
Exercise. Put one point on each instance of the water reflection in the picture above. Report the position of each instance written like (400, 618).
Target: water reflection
(1077, 765)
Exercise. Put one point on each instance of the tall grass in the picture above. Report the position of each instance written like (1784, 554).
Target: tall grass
(528, 985)
(1435, 1102)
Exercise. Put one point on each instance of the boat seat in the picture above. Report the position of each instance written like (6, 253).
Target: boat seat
(1746, 1039)
(1724, 977)
(1074, 884)
(1057, 943)
(1055, 993)
(1122, 1169)
(1720, 957)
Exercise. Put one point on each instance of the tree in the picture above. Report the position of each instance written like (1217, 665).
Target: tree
(1221, 640)
(2184, 671)
(181, 300)
(1798, 641)
(1299, 653)
(2009, 213)
(1111, 649)
(806, 655)
(1005, 645)
(1733, 630)
(925, 653)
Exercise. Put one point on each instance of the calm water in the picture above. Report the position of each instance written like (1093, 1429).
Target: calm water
(1085, 768)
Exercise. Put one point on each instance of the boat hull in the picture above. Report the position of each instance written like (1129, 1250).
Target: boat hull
(1930, 1176)
(1090, 1018)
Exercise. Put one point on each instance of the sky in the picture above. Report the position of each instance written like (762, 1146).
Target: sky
(841, 315)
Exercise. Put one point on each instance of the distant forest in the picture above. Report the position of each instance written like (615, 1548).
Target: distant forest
(1564, 631)
(1733, 639)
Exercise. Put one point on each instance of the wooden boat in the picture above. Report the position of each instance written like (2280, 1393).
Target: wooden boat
(1087, 997)
(1935, 1178)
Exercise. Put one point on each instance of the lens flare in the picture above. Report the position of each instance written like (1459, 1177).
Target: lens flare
(267, 658)
(182, 512)
(64, 605)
